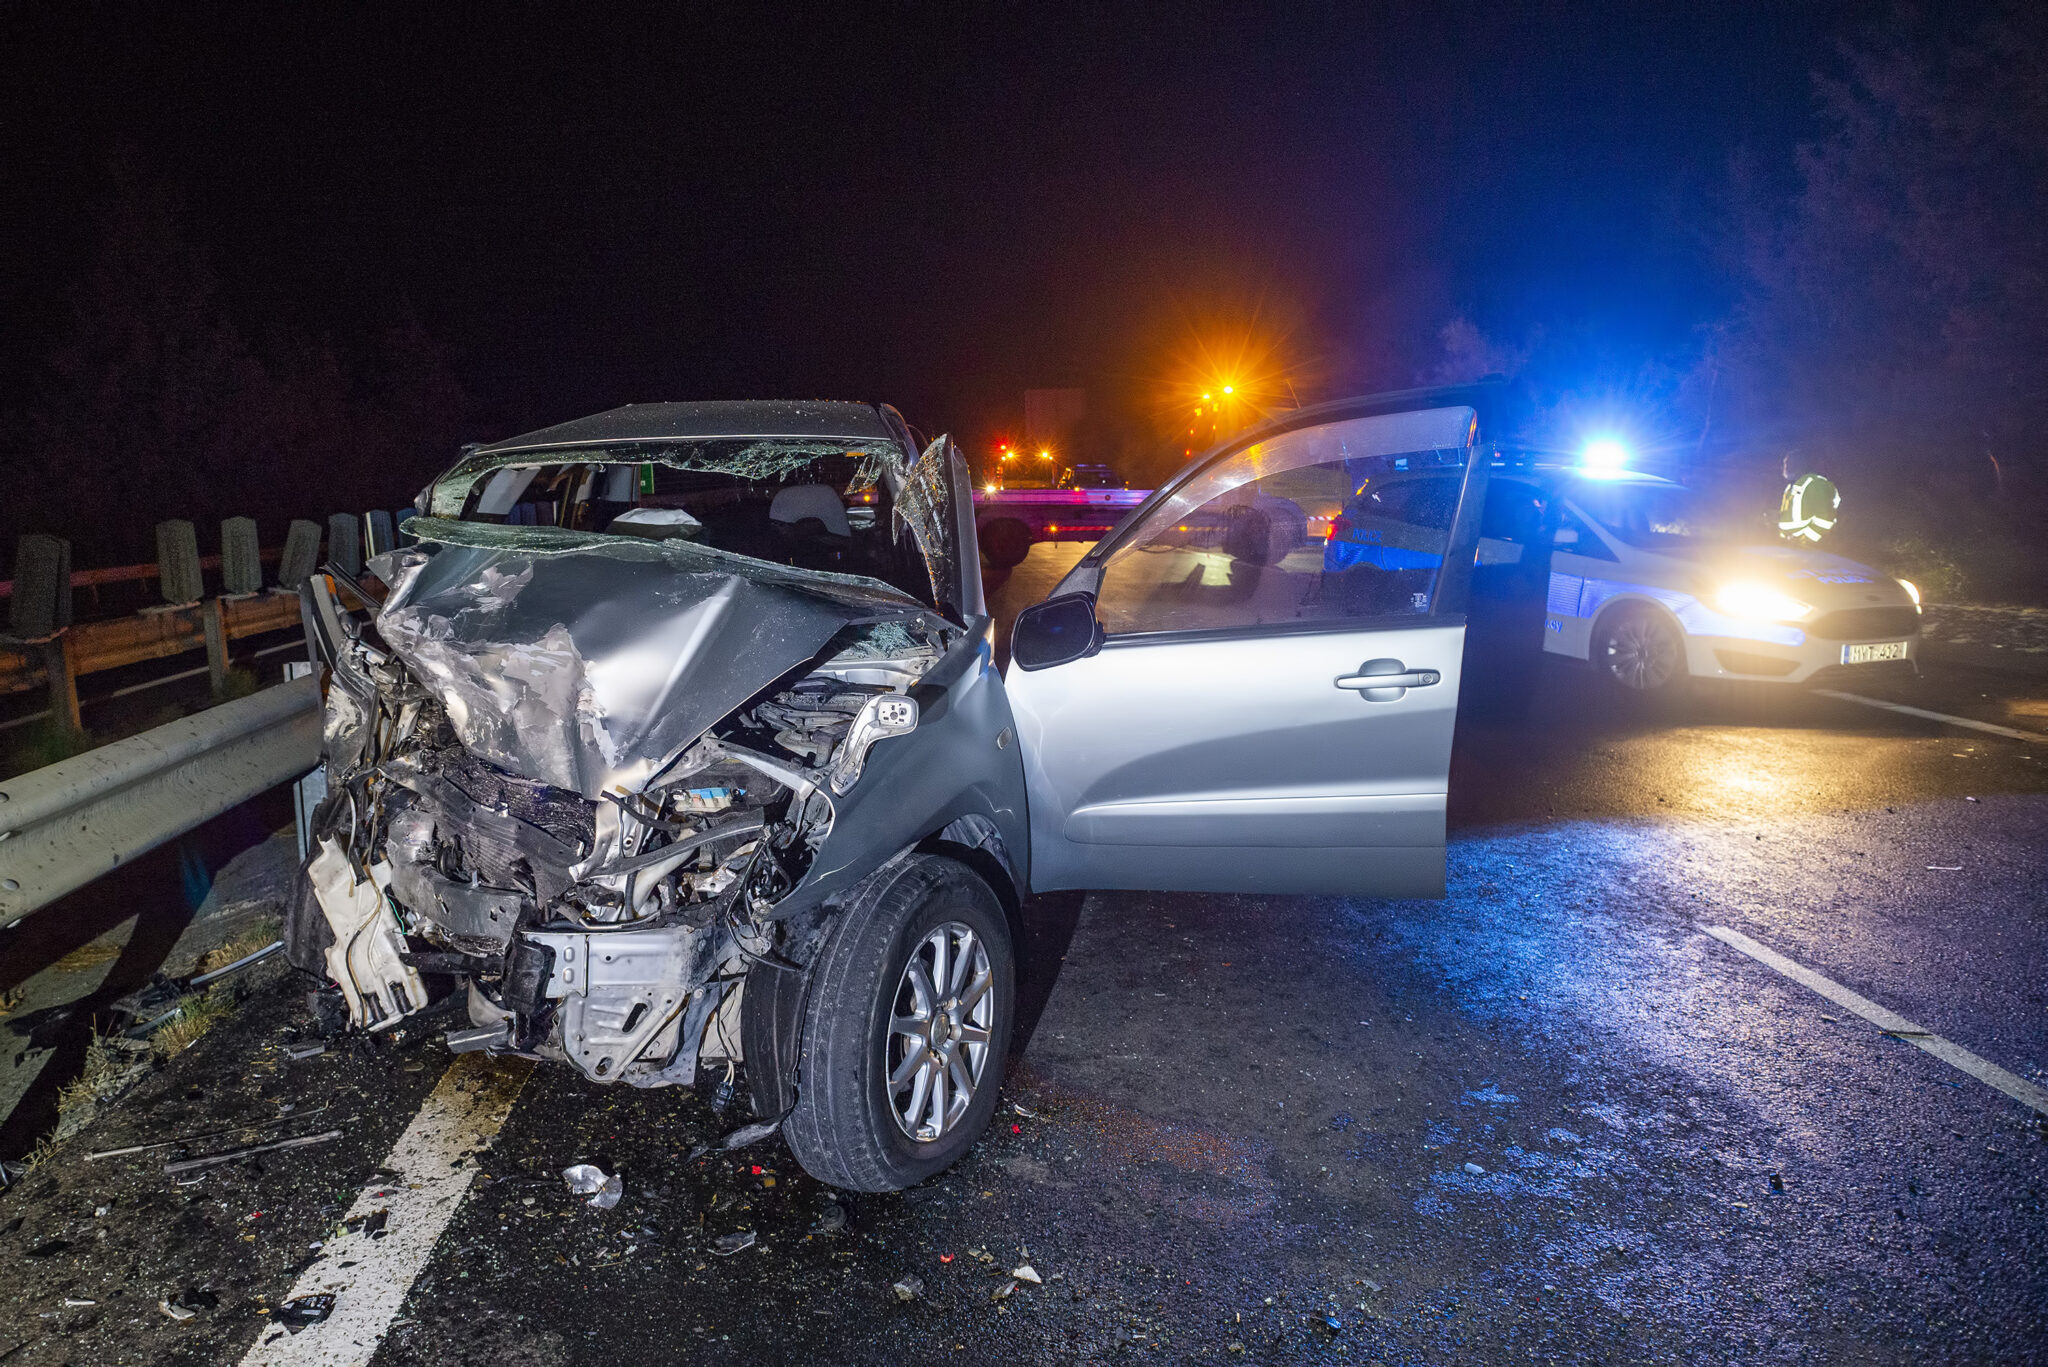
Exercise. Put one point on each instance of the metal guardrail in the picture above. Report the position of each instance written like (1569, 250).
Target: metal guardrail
(64, 825)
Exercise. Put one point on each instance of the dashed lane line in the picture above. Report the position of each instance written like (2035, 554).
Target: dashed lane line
(369, 1276)
(1985, 1071)
(2010, 733)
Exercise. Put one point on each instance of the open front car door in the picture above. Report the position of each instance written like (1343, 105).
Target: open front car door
(1252, 684)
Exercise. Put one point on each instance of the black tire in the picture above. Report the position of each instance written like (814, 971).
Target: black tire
(1005, 542)
(1640, 651)
(844, 1128)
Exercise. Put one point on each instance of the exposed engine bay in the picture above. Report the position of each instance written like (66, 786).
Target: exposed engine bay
(558, 786)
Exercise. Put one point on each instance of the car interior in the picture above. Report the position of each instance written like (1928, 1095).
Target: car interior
(827, 513)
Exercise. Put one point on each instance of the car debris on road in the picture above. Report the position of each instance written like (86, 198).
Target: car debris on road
(728, 1244)
(587, 1179)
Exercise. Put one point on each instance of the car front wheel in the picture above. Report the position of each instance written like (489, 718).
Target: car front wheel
(906, 1029)
(1639, 649)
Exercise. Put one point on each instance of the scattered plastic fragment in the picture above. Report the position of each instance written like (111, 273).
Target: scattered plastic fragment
(303, 1051)
(1025, 1272)
(188, 1303)
(831, 1219)
(300, 1311)
(1475, 1170)
(73, 1302)
(946, 1257)
(751, 1134)
(1024, 1111)
(1003, 1292)
(587, 1179)
(1944, 868)
(728, 1244)
(908, 1288)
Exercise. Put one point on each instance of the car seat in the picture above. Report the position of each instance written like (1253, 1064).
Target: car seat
(656, 524)
(799, 504)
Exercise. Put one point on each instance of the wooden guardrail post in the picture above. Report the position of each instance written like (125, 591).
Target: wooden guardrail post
(301, 554)
(345, 543)
(379, 531)
(177, 560)
(41, 605)
(216, 648)
(241, 556)
(40, 612)
(61, 668)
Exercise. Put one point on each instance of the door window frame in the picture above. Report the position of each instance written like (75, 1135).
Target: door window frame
(1447, 602)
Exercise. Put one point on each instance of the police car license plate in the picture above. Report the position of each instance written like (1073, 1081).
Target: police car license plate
(1863, 655)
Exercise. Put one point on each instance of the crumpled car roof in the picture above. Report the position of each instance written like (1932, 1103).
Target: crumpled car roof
(739, 418)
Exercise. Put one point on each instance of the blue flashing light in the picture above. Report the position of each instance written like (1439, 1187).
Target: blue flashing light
(1603, 456)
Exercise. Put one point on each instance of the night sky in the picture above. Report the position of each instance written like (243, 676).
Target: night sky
(591, 207)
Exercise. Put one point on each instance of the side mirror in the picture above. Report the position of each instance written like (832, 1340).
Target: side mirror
(1565, 536)
(1056, 631)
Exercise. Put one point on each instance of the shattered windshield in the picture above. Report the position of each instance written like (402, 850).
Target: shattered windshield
(833, 507)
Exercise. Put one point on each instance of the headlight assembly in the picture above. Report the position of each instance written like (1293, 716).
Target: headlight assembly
(1760, 603)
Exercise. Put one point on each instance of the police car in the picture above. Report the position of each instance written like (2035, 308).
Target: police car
(1632, 573)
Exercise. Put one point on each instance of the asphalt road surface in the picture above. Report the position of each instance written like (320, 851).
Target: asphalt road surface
(1592, 1107)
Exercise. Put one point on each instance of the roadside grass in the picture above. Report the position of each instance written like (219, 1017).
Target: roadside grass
(240, 947)
(107, 1072)
(196, 1014)
(39, 746)
(239, 683)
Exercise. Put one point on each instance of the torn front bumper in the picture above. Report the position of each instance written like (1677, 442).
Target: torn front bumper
(608, 929)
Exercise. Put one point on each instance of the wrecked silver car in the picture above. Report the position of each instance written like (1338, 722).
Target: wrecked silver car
(675, 743)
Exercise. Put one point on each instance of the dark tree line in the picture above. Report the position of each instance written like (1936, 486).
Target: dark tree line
(1896, 313)
(156, 401)
(1888, 322)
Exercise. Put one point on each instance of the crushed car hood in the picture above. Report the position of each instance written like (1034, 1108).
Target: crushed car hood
(588, 661)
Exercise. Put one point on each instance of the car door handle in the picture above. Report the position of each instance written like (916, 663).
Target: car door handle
(1387, 680)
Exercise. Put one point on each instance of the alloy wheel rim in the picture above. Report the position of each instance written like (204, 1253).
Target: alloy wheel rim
(939, 1028)
(1641, 654)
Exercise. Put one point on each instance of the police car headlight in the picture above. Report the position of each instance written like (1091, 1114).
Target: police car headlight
(1760, 603)
(1912, 591)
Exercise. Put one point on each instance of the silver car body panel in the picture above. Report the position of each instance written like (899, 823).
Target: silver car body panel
(1235, 759)
(1229, 765)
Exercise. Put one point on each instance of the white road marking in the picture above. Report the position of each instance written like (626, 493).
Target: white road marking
(462, 1115)
(1985, 1071)
(2008, 732)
